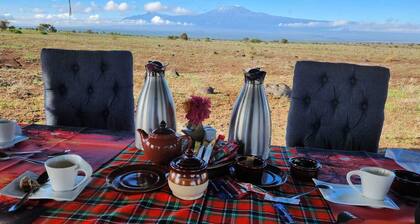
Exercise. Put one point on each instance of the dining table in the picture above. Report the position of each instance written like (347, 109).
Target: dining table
(107, 150)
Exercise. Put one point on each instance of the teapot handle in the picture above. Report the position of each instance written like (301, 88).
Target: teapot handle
(182, 140)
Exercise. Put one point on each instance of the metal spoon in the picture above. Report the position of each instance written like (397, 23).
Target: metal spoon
(22, 158)
(320, 186)
(9, 154)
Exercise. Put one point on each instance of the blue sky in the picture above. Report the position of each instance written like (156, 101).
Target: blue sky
(393, 16)
(380, 11)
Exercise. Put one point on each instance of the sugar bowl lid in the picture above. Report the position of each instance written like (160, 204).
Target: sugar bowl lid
(188, 163)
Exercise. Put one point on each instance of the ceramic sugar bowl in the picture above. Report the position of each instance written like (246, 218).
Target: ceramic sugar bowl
(188, 178)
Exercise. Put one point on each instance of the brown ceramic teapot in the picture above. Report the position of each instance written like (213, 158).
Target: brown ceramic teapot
(163, 145)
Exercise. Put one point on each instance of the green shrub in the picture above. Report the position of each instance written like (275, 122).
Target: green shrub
(44, 32)
(45, 27)
(207, 39)
(284, 41)
(255, 40)
(15, 31)
(172, 37)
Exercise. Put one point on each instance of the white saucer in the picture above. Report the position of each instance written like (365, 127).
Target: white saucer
(18, 138)
(45, 192)
(344, 194)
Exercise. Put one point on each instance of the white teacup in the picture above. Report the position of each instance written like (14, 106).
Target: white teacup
(7, 130)
(62, 171)
(376, 181)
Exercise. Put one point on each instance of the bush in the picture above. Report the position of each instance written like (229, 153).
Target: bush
(255, 40)
(45, 27)
(15, 31)
(207, 39)
(44, 32)
(284, 41)
(183, 36)
(172, 37)
(246, 39)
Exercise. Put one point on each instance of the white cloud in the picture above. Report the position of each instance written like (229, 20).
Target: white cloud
(181, 11)
(123, 6)
(316, 24)
(388, 26)
(154, 7)
(52, 16)
(94, 17)
(88, 9)
(39, 16)
(7, 16)
(159, 7)
(113, 6)
(157, 20)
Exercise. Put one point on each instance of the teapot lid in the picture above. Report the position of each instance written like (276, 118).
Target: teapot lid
(188, 163)
(254, 74)
(163, 129)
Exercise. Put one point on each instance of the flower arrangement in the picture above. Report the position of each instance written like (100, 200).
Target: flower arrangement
(197, 109)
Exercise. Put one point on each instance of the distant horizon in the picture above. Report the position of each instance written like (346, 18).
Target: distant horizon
(345, 21)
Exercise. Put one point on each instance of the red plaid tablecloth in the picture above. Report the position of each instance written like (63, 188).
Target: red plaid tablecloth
(99, 203)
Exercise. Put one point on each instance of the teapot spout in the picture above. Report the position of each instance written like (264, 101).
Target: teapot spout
(143, 134)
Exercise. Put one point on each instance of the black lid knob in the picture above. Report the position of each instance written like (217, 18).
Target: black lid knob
(155, 67)
(255, 75)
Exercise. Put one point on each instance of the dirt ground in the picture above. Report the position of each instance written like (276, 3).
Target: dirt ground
(218, 64)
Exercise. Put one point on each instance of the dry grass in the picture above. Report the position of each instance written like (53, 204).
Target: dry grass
(218, 64)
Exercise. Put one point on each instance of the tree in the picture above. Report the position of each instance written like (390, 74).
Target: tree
(284, 41)
(45, 27)
(4, 24)
(183, 36)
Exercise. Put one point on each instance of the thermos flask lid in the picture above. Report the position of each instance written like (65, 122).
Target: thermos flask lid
(155, 66)
(254, 74)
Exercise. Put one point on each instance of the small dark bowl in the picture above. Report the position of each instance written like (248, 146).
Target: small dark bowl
(249, 168)
(406, 183)
(304, 169)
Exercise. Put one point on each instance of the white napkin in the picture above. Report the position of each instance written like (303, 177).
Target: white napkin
(410, 160)
(344, 194)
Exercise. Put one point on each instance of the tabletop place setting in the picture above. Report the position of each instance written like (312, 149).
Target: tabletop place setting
(199, 164)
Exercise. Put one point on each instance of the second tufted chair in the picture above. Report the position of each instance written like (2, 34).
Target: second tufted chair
(88, 88)
(337, 106)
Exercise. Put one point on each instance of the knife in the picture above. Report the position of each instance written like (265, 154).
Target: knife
(42, 179)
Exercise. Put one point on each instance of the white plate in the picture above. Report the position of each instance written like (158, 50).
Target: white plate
(18, 138)
(45, 192)
(344, 194)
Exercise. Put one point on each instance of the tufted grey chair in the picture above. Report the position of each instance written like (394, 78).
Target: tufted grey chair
(88, 88)
(337, 106)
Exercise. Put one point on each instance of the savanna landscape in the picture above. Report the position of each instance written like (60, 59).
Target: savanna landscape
(201, 63)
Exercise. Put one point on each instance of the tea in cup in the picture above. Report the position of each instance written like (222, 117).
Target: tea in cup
(63, 170)
(7, 130)
(375, 181)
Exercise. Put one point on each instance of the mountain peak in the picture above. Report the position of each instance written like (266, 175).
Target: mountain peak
(232, 8)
